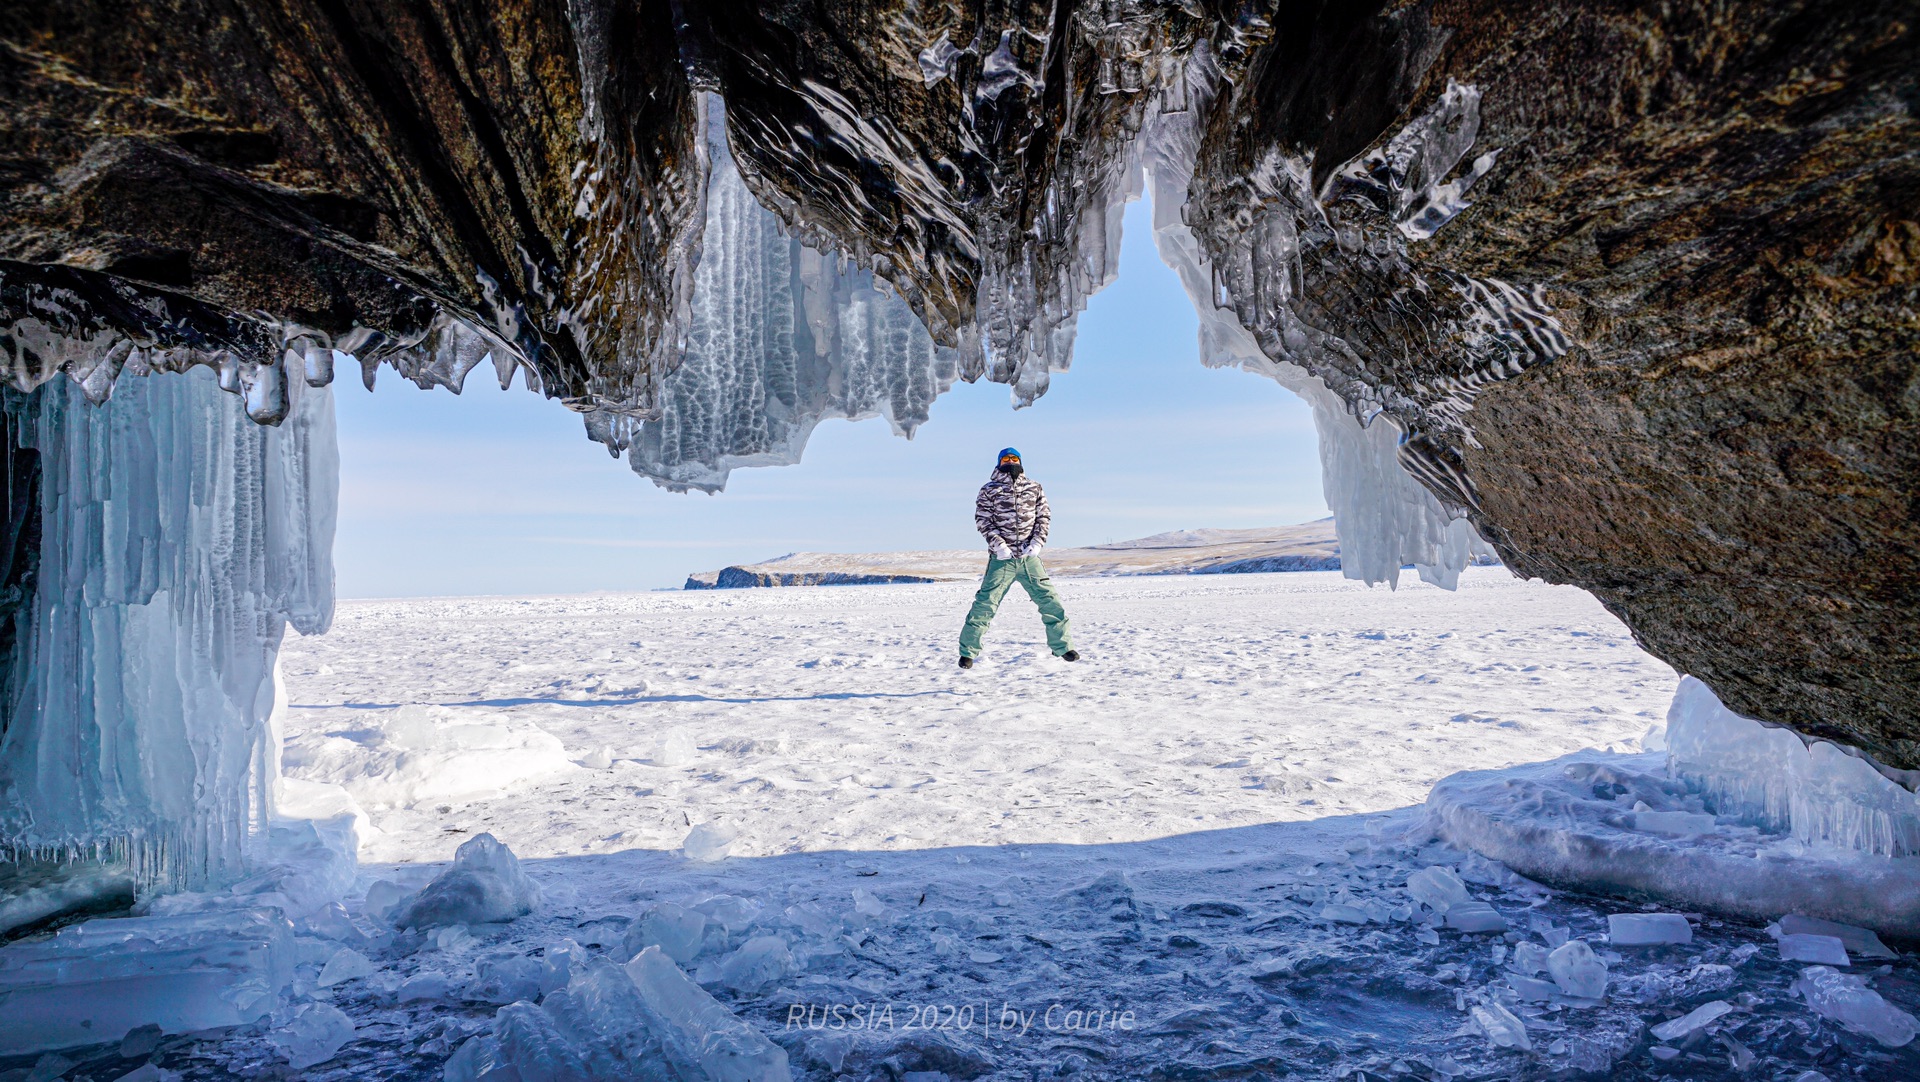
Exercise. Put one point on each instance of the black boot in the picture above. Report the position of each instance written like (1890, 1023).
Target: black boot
(1070, 655)
(966, 662)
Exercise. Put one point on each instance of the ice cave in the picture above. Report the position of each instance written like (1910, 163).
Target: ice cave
(1610, 303)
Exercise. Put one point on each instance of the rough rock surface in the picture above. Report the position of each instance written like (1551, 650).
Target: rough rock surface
(356, 174)
(1637, 282)
(1723, 205)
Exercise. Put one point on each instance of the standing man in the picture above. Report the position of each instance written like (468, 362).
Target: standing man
(1012, 515)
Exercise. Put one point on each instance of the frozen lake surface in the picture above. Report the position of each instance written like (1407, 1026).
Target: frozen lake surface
(1186, 857)
(834, 718)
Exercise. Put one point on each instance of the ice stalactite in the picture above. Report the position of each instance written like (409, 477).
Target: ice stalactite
(782, 336)
(176, 540)
(1384, 518)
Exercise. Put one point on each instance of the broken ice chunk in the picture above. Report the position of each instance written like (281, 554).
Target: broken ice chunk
(1858, 941)
(451, 938)
(1529, 958)
(598, 759)
(345, 965)
(812, 920)
(1577, 970)
(676, 748)
(708, 842)
(505, 978)
(1825, 949)
(759, 962)
(1847, 1000)
(1475, 917)
(331, 922)
(1648, 929)
(140, 1042)
(484, 885)
(1437, 888)
(865, 904)
(314, 1036)
(1676, 823)
(1531, 990)
(96, 981)
(1501, 1027)
(696, 1029)
(675, 929)
(384, 898)
(149, 1072)
(425, 986)
(1692, 1022)
(1343, 914)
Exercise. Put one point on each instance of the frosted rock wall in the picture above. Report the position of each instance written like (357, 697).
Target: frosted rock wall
(178, 538)
(1384, 518)
(1770, 777)
(781, 337)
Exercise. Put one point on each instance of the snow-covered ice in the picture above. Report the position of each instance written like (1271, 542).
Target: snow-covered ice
(834, 718)
(1199, 853)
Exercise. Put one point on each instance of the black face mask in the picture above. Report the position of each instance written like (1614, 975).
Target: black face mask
(1012, 469)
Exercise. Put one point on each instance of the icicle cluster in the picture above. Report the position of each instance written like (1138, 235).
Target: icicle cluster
(52, 326)
(1324, 278)
(1823, 794)
(1384, 518)
(782, 336)
(178, 539)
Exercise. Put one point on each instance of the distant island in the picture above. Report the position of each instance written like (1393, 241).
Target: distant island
(1308, 546)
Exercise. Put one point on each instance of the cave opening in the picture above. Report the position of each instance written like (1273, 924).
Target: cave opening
(1618, 295)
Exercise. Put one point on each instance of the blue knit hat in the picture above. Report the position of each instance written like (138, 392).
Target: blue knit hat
(1006, 453)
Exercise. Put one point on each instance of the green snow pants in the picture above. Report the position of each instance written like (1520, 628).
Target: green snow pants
(1000, 577)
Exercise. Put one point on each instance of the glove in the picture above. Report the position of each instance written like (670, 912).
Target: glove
(1031, 548)
(999, 551)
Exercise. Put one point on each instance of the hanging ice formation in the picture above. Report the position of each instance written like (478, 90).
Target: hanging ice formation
(781, 336)
(1384, 518)
(1769, 777)
(176, 539)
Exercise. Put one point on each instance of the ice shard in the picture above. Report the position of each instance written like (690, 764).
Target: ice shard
(176, 540)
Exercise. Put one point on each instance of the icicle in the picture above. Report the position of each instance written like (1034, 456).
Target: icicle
(782, 336)
(178, 538)
(1384, 518)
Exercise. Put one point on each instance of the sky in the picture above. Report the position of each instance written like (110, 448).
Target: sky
(499, 492)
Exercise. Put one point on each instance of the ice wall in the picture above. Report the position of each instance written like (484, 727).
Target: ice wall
(782, 336)
(1384, 518)
(177, 539)
(1824, 795)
